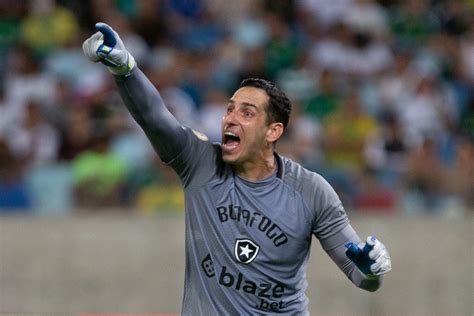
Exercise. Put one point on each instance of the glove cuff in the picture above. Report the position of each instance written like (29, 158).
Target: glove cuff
(372, 277)
(125, 70)
(369, 276)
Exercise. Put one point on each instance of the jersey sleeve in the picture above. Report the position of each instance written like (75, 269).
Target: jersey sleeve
(336, 249)
(187, 151)
(329, 214)
(199, 161)
(146, 106)
(333, 229)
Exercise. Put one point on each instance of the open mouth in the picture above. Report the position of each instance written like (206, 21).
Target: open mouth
(230, 141)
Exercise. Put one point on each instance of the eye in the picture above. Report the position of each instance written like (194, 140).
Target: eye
(248, 113)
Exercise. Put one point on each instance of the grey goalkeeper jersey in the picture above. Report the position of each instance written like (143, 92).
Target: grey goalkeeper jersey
(247, 243)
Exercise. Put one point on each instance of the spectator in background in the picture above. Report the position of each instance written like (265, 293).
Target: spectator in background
(424, 179)
(467, 51)
(11, 12)
(154, 188)
(9, 22)
(326, 13)
(234, 12)
(367, 17)
(396, 81)
(98, 175)
(325, 99)
(466, 124)
(454, 16)
(26, 79)
(282, 47)
(13, 191)
(421, 113)
(10, 113)
(179, 101)
(212, 113)
(35, 140)
(303, 140)
(48, 26)
(346, 133)
(193, 28)
(123, 25)
(150, 23)
(77, 133)
(255, 65)
(198, 76)
(330, 51)
(367, 56)
(411, 22)
(386, 153)
(412, 63)
(299, 81)
(460, 182)
(64, 97)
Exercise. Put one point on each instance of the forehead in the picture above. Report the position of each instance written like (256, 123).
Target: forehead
(251, 95)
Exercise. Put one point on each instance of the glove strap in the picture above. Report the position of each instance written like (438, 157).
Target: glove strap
(123, 71)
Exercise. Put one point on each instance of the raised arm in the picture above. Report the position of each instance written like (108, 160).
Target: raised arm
(141, 98)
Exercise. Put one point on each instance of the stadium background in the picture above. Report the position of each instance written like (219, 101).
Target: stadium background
(383, 96)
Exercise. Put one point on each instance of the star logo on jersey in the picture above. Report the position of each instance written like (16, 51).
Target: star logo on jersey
(245, 250)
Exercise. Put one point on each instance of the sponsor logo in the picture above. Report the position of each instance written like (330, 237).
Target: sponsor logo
(268, 293)
(245, 250)
(240, 283)
(208, 266)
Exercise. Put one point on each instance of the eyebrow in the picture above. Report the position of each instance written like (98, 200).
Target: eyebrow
(247, 104)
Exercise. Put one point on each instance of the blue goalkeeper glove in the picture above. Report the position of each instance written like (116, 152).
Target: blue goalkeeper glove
(107, 47)
(371, 258)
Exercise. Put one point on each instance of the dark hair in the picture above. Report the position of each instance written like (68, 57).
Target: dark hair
(279, 106)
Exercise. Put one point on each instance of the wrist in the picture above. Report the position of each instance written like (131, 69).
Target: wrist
(369, 276)
(372, 277)
(123, 70)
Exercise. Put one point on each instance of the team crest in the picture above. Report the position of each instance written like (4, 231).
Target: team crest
(245, 250)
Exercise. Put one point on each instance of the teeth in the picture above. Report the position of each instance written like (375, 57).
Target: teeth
(230, 134)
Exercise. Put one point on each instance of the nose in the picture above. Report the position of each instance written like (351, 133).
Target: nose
(229, 119)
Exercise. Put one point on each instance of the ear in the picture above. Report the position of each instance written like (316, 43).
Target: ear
(274, 132)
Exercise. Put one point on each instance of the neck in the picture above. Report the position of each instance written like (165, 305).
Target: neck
(256, 171)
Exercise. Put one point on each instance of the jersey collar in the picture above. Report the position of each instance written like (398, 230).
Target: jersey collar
(280, 166)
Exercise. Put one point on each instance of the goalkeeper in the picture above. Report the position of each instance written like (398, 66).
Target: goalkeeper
(250, 213)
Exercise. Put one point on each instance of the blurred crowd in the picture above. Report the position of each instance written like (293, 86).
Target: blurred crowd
(382, 93)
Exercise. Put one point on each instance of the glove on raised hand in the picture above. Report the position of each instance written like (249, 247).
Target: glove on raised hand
(372, 259)
(107, 47)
